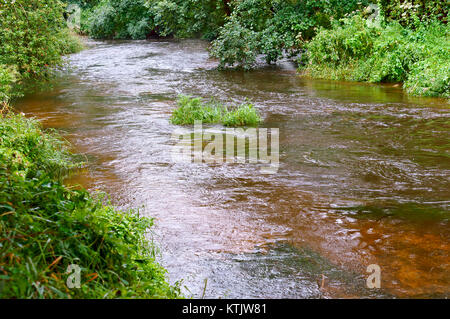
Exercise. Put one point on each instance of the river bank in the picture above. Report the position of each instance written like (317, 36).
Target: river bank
(63, 242)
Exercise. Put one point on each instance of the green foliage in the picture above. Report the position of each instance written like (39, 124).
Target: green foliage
(33, 37)
(25, 150)
(119, 19)
(187, 18)
(245, 114)
(195, 109)
(362, 51)
(137, 19)
(430, 77)
(273, 28)
(406, 12)
(44, 227)
(83, 3)
(236, 44)
(7, 80)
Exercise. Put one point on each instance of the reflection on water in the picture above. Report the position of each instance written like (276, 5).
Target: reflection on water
(363, 177)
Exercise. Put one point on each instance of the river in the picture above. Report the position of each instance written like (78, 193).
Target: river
(363, 176)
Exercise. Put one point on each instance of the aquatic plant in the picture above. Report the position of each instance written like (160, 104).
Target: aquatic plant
(192, 109)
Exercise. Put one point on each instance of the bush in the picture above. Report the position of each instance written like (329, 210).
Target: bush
(33, 36)
(44, 227)
(236, 44)
(194, 109)
(430, 77)
(362, 51)
(274, 28)
(406, 12)
(118, 19)
(137, 19)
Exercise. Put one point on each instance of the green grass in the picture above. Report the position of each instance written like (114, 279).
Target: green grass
(195, 109)
(46, 226)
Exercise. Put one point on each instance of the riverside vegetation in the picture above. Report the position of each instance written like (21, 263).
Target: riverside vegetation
(46, 226)
(329, 38)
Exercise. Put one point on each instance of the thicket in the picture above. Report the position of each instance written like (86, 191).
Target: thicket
(45, 227)
(138, 19)
(406, 12)
(33, 39)
(274, 28)
(360, 50)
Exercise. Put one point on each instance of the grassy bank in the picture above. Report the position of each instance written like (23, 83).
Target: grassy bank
(45, 227)
(195, 109)
(361, 50)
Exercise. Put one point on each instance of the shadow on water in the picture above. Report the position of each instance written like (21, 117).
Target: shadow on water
(363, 176)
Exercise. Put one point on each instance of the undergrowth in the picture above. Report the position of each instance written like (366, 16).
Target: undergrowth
(361, 50)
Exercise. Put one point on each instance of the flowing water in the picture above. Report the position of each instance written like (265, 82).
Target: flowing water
(363, 176)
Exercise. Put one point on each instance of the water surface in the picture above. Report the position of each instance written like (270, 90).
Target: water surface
(363, 177)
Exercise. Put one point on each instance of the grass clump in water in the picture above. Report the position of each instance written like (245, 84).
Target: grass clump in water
(195, 109)
(46, 226)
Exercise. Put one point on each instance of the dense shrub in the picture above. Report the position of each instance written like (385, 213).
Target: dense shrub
(117, 19)
(138, 19)
(236, 44)
(407, 11)
(187, 18)
(364, 51)
(33, 36)
(7, 80)
(44, 227)
(273, 28)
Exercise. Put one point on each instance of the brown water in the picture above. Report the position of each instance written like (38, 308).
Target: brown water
(363, 178)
